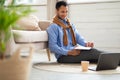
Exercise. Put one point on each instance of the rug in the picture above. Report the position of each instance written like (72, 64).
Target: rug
(71, 68)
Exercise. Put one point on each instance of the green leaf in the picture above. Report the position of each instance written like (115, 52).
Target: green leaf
(8, 17)
(2, 2)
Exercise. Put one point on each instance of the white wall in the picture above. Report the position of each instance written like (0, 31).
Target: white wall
(40, 12)
(98, 22)
(89, 1)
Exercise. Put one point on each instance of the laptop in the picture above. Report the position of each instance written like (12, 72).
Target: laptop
(107, 61)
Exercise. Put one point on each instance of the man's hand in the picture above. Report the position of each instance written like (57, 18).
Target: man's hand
(89, 44)
(74, 52)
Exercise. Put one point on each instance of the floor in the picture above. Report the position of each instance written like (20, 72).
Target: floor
(47, 75)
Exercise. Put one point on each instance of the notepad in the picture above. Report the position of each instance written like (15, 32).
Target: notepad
(82, 47)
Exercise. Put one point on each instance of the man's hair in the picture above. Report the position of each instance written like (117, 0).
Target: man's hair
(60, 3)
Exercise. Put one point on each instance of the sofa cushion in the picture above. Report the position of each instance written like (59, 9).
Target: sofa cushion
(44, 24)
(28, 23)
(30, 36)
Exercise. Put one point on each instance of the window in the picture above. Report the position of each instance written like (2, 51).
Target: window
(39, 5)
(32, 2)
(88, 1)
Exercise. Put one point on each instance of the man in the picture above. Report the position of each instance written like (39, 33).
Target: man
(63, 38)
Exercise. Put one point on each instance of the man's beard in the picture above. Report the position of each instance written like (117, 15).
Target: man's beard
(60, 17)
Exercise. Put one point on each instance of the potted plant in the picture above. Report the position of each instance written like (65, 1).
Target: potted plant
(13, 68)
(8, 16)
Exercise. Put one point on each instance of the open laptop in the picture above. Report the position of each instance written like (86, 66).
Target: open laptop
(107, 61)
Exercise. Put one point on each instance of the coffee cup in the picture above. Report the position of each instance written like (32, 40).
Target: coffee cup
(84, 65)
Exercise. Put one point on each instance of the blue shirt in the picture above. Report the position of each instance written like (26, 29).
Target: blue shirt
(55, 39)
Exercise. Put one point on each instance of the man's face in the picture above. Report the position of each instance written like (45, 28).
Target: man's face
(62, 12)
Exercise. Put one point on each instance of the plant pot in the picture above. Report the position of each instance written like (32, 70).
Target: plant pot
(16, 67)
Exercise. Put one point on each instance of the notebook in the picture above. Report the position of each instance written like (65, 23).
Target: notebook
(79, 47)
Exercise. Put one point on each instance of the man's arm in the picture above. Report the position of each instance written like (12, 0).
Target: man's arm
(52, 36)
(80, 39)
(53, 46)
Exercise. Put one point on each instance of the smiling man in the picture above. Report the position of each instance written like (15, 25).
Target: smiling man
(63, 38)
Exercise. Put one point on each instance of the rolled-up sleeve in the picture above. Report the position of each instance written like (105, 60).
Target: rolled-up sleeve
(52, 31)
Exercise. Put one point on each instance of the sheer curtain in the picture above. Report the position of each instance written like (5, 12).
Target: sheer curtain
(51, 8)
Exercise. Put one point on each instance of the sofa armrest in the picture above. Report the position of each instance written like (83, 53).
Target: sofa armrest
(29, 36)
(44, 24)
